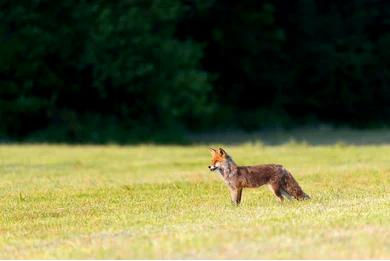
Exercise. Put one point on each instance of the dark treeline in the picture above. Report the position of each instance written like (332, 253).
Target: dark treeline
(124, 70)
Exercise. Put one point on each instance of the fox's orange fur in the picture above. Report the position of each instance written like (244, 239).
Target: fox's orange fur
(279, 179)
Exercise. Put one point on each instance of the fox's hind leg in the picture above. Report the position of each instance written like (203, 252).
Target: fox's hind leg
(276, 189)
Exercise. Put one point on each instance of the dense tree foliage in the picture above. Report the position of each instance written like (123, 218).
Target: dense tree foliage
(83, 70)
(307, 60)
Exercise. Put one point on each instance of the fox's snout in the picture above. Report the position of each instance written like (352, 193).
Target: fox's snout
(212, 168)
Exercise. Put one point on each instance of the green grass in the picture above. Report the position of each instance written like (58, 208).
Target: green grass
(148, 201)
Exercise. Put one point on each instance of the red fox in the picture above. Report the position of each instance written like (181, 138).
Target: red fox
(279, 179)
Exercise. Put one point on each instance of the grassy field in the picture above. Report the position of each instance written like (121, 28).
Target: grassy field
(149, 201)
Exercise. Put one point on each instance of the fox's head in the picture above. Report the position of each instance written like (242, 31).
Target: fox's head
(218, 157)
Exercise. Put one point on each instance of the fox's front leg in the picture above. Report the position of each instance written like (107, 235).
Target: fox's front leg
(235, 194)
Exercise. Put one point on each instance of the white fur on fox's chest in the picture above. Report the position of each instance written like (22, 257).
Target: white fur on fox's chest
(228, 171)
(227, 177)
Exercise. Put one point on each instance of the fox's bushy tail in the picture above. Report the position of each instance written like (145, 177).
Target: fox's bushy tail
(292, 187)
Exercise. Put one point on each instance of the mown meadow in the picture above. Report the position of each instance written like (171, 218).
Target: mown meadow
(160, 201)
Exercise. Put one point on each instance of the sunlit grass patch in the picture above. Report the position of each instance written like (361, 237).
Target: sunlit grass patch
(151, 201)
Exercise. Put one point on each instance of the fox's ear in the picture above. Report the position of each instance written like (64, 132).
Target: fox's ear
(212, 151)
(222, 152)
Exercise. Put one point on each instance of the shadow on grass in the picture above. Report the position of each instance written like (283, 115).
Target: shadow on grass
(313, 136)
(310, 136)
